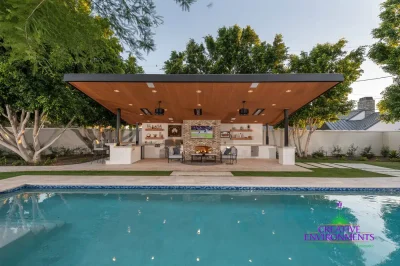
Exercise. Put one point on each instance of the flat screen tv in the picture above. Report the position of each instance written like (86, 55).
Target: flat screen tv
(201, 132)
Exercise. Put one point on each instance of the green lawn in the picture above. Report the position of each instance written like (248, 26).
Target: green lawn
(317, 172)
(392, 165)
(5, 175)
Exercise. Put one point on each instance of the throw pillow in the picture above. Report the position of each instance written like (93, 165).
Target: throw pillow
(177, 151)
(227, 151)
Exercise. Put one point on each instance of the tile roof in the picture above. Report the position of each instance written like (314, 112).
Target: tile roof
(344, 122)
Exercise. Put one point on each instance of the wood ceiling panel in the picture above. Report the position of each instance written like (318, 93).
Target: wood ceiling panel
(218, 101)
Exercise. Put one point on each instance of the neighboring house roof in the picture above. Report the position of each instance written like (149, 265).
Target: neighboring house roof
(345, 122)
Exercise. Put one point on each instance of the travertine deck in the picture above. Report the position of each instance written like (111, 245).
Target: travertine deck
(381, 182)
(163, 165)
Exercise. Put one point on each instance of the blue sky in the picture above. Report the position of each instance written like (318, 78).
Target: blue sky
(303, 23)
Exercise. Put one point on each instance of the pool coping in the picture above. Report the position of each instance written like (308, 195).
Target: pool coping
(206, 183)
(204, 188)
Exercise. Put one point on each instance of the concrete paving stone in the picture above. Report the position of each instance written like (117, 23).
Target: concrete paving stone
(335, 165)
(181, 173)
(320, 165)
(305, 165)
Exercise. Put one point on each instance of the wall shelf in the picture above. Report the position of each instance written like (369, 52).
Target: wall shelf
(248, 138)
(154, 129)
(241, 130)
(154, 138)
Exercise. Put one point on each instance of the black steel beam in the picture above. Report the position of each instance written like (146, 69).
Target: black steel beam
(223, 78)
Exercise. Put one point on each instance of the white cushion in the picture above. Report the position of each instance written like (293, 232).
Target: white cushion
(177, 156)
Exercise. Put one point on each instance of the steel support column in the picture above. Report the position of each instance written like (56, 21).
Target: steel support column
(118, 127)
(286, 117)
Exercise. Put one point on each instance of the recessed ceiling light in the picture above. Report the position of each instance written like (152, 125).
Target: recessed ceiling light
(148, 120)
(253, 85)
(198, 91)
(150, 85)
(262, 114)
(116, 90)
(233, 118)
(273, 104)
(153, 91)
(237, 110)
(130, 104)
(199, 104)
(255, 121)
(288, 90)
(140, 114)
(170, 118)
(166, 110)
(250, 91)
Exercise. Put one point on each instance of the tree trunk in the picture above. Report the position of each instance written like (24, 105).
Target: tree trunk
(311, 130)
(15, 141)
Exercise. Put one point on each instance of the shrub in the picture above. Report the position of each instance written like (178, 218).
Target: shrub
(337, 151)
(3, 160)
(394, 159)
(363, 158)
(18, 163)
(351, 151)
(320, 153)
(367, 152)
(385, 151)
(393, 154)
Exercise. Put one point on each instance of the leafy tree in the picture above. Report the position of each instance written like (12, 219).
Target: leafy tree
(324, 58)
(26, 93)
(28, 26)
(235, 50)
(386, 52)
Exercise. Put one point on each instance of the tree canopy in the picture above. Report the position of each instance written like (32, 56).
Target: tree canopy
(235, 50)
(325, 58)
(28, 90)
(73, 25)
(386, 53)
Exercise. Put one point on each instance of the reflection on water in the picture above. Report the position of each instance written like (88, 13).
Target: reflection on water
(161, 228)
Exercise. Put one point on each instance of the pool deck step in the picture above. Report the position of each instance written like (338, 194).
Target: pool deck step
(193, 173)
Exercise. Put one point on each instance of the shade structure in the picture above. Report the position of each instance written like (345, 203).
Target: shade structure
(219, 96)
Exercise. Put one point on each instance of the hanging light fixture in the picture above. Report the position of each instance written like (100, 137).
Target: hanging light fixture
(243, 111)
(159, 110)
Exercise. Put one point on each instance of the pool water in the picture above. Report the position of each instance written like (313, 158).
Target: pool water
(193, 228)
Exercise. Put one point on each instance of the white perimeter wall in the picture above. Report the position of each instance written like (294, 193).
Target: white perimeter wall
(327, 138)
(72, 138)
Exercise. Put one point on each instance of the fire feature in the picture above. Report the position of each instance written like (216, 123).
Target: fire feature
(203, 149)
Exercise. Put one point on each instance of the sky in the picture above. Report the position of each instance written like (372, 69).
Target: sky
(302, 23)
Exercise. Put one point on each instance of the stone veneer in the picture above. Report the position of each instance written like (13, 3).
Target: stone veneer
(189, 144)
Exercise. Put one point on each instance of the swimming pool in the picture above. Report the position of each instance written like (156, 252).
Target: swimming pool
(195, 228)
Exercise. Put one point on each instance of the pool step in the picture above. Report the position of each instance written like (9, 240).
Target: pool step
(10, 232)
(182, 173)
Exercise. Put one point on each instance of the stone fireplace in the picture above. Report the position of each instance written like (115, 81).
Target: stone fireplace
(193, 145)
